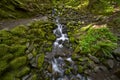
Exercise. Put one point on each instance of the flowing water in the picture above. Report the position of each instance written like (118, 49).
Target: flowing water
(63, 67)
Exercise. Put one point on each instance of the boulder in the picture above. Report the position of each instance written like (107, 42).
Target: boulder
(18, 62)
(95, 59)
(30, 56)
(24, 71)
(117, 53)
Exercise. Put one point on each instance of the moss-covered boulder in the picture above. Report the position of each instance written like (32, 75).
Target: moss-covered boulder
(3, 49)
(40, 60)
(8, 76)
(24, 71)
(3, 66)
(23, 8)
(22, 45)
(8, 57)
(19, 30)
(34, 77)
(18, 62)
(18, 50)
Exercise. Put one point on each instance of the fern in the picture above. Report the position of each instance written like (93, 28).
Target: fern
(98, 42)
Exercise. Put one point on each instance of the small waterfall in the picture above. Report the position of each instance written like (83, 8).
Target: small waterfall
(60, 57)
(58, 63)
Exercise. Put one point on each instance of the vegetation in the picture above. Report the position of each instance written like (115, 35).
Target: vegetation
(17, 43)
(93, 39)
(93, 28)
(14, 8)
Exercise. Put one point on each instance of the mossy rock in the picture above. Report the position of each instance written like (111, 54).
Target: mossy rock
(37, 32)
(40, 60)
(19, 30)
(15, 48)
(8, 76)
(34, 77)
(80, 69)
(68, 71)
(3, 66)
(4, 49)
(24, 71)
(8, 57)
(18, 62)
(18, 50)
(5, 37)
(5, 33)
(18, 9)
(34, 52)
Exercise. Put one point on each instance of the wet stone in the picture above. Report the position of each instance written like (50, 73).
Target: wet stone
(57, 33)
(27, 44)
(26, 77)
(110, 63)
(31, 47)
(60, 42)
(33, 62)
(97, 69)
(103, 68)
(49, 68)
(117, 51)
(95, 59)
(30, 56)
(91, 64)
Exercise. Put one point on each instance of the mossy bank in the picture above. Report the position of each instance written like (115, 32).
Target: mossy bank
(23, 48)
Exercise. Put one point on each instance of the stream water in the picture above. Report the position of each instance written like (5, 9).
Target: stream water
(63, 67)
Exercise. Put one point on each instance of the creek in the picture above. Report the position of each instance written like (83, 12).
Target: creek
(63, 67)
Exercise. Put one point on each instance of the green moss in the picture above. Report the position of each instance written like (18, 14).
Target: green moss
(40, 37)
(3, 66)
(19, 8)
(68, 71)
(34, 77)
(106, 9)
(40, 60)
(19, 30)
(37, 32)
(5, 33)
(4, 49)
(8, 57)
(80, 69)
(8, 76)
(34, 52)
(5, 37)
(18, 50)
(24, 71)
(18, 62)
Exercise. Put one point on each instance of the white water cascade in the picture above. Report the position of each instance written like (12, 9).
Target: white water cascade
(59, 65)
(60, 58)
